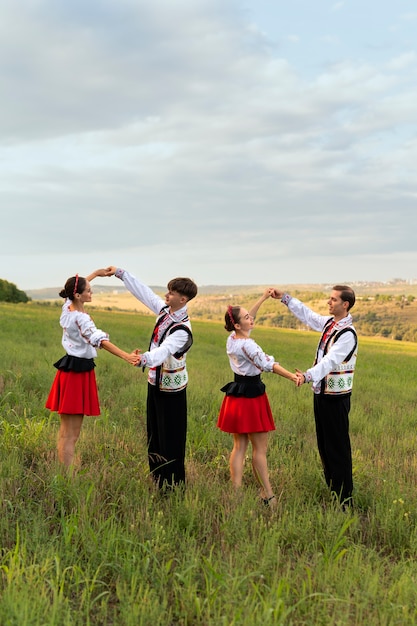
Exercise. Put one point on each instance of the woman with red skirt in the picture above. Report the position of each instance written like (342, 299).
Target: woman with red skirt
(74, 391)
(245, 411)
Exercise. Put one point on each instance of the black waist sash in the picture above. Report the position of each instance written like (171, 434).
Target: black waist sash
(246, 386)
(70, 363)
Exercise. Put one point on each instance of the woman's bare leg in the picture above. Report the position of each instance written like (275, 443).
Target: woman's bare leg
(69, 432)
(237, 458)
(259, 443)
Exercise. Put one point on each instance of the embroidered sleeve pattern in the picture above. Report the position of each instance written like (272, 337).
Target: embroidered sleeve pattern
(89, 332)
(256, 356)
(308, 377)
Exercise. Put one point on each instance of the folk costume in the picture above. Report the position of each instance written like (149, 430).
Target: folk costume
(245, 407)
(74, 389)
(167, 384)
(332, 380)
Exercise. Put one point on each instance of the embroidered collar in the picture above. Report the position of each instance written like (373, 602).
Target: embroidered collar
(178, 315)
(346, 321)
(165, 319)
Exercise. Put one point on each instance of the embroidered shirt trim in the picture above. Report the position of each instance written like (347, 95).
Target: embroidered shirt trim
(340, 380)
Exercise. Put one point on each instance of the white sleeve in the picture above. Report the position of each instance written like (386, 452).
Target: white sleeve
(171, 345)
(305, 314)
(257, 356)
(141, 291)
(335, 356)
(90, 333)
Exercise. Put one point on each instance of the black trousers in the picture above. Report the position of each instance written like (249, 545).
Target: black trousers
(332, 428)
(166, 433)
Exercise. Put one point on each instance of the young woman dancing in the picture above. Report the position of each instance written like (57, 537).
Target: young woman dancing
(74, 390)
(245, 411)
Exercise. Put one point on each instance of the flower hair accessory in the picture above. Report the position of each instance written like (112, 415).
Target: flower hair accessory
(75, 285)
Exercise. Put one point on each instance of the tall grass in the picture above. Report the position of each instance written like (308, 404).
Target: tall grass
(100, 547)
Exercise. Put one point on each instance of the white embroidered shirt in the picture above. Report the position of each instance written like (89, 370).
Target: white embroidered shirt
(173, 343)
(246, 357)
(80, 336)
(338, 350)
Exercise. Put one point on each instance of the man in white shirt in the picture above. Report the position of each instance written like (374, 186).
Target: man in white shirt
(332, 379)
(167, 375)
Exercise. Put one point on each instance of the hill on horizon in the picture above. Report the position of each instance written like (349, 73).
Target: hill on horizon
(387, 310)
(394, 286)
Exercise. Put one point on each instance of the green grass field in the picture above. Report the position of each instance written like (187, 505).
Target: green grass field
(101, 548)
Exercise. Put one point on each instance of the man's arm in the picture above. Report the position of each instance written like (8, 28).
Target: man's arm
(331, 361)
(138, 289)
(302, 312)
(172, 344)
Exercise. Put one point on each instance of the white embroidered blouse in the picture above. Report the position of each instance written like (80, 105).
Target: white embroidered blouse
(80, 336)
(246, 357)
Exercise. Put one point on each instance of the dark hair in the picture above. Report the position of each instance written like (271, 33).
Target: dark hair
(184, 286)
(231, 317)
(75, 284)
(346, 294)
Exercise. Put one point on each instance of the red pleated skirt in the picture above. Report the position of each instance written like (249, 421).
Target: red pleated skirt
(245, 415)
(74, 393)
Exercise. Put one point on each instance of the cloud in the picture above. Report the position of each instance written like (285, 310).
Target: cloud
(175, 129)
(98, 67)
(410, 16)
(403, 61)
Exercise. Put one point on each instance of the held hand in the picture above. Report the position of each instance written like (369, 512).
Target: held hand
(93, 275)
(134, 357)
(277, 294)
(101, 272)
(300, 378)
(268, 292)
(110, 270)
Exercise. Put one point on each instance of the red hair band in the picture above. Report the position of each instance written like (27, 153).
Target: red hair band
(229, 312)
(75, 284)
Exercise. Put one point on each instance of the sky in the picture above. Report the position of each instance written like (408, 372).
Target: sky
(232, 141)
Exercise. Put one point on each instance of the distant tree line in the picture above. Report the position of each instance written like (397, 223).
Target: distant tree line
(10, 293)
(382, 315)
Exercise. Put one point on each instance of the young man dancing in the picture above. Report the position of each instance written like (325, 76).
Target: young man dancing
(167, 375)
(332, 379)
